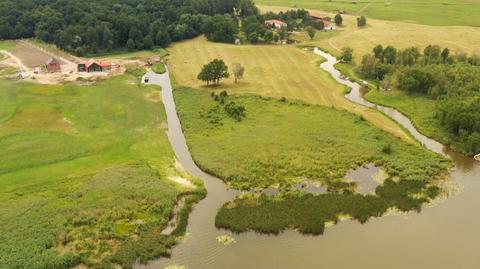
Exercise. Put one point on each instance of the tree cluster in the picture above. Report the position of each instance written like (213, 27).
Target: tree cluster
(91, 26)
(213, 72)
(453, 80)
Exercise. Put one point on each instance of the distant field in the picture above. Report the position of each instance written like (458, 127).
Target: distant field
(398, 34)
(83, 170)
(273, 70)
(428, 12)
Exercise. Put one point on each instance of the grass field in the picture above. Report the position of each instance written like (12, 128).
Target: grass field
(279, 142)
(84, 174)
(270, 70)
(429, 12)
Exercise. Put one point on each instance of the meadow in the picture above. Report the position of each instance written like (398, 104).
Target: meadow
(84, 174)
(280, 142)
(270, 70)
(428, 12)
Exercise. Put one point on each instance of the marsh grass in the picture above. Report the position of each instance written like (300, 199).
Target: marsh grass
(84, 173)
(281, 141)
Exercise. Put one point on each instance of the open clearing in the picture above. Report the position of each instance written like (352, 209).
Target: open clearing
(271, 70)
(429, 12)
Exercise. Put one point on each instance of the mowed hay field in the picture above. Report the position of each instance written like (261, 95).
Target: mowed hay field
(399, 34)
(428, 12)
(271, 70)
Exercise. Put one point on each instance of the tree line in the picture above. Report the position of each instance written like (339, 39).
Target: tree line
(91, 26)
(453, 79)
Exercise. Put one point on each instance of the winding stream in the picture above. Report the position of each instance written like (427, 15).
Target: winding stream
(444, 236)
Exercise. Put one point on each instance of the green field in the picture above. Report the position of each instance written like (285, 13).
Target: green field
(84, 174)
(279, 142)
(429, 12)
(271, 70)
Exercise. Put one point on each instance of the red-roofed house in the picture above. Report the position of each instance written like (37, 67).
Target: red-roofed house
(275, 23)
(95, 66)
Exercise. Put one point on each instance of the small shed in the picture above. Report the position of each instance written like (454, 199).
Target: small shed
(52, 65)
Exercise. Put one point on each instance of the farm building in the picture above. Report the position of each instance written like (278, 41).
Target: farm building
(327, 21)
(95, 66)
(275, 23)
(52, 65)
(328, 25)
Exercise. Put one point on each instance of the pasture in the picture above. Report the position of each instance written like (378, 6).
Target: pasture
(428, 12)
(270, 70)
(83, 170)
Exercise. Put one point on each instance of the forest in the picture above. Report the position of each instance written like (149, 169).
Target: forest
(90, 26)
(453, 80)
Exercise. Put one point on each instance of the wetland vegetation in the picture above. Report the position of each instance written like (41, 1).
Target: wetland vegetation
(280, 141)
(103, 195)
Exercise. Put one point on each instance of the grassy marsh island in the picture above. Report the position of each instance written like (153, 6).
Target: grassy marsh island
(104, 195)
(278, 142)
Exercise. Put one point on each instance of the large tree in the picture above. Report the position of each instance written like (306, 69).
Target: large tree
(214, 72)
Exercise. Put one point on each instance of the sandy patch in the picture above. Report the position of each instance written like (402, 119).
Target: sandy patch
(182, 181)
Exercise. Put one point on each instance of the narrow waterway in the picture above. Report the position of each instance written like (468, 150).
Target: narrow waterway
(444, 236)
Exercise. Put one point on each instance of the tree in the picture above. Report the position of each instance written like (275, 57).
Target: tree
(338, 19)
(163, 38)
(282, 33)
(311, 32)
(318, 24)
(147, 42)
(347, 54)
(247, 8)
(130, 44)
(361, 21)
(213, 72)
(238, 71)
(368, 65)
(276, 38)
(268, 36)
(445, 54)
(390, 55)
(378, 52)
(253, 37)
(220, 28)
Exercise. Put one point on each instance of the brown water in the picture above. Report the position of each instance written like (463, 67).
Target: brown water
(445, 236)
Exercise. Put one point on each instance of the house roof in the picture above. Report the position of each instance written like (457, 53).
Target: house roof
(317, 15)
(276, 22)
(100, 63)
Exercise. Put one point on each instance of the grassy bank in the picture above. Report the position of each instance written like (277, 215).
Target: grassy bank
(270, 70)
(279, 142)
(419, 108)
(84, 174)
